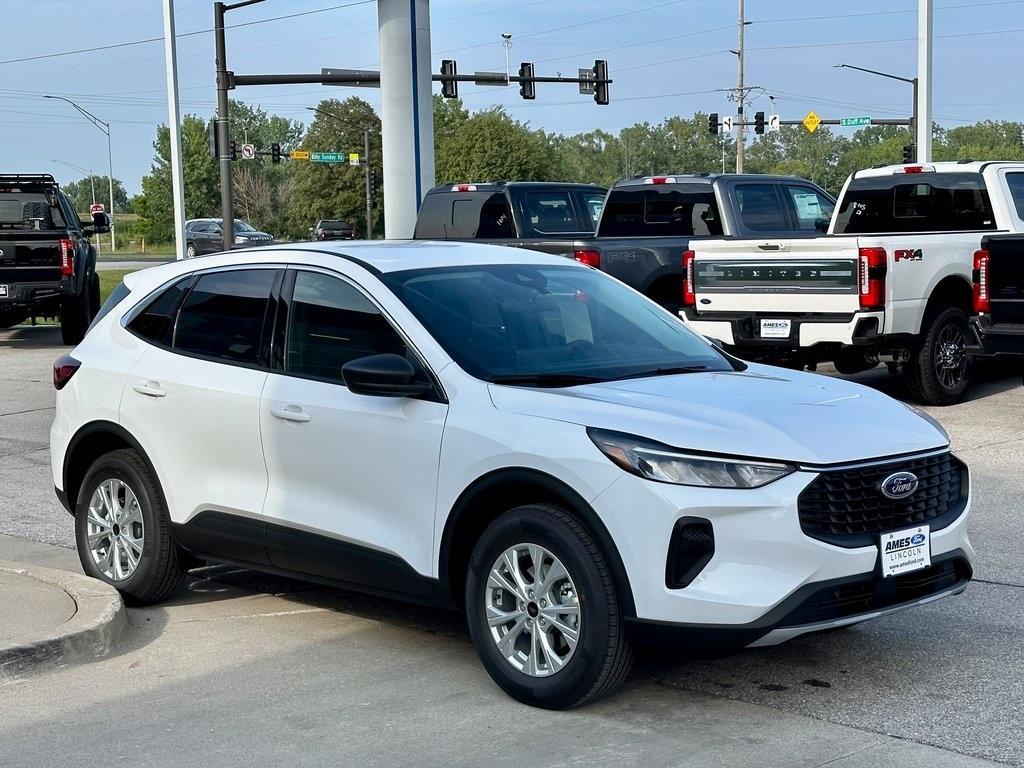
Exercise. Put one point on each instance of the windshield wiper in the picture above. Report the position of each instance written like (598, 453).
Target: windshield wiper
(670, 371)
(546, 379)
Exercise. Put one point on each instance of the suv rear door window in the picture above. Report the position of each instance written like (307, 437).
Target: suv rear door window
(222, 317)
(916, 202)
(679, 210)
(330, 323)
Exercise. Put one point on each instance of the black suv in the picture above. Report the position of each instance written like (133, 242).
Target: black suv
(332, 229)
(47, 264)
(205, 236)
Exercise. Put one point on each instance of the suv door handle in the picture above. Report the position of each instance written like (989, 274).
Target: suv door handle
(291, 413)
(150, 389)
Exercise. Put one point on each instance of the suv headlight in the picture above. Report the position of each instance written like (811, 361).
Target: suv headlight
(654, 461)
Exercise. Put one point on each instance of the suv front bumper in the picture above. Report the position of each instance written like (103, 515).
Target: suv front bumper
(767, 580)
(743, 329)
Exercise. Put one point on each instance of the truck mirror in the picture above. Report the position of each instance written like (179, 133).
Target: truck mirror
(100, 223)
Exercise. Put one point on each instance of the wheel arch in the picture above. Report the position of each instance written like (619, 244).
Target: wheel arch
(950, 291)
(501, 490)
(89, 443)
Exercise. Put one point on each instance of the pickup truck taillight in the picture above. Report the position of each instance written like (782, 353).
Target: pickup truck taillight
(590, 258)
(67, 259)
(871, 278)
(982, 296)
(64, 367)
(689, 289)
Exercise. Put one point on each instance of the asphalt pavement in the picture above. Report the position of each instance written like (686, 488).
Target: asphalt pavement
(245, 668)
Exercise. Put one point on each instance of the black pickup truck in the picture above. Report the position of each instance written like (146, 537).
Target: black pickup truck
(47, 264)
(998, 325)
(638, 232)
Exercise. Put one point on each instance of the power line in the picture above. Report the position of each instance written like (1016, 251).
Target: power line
(185, 34)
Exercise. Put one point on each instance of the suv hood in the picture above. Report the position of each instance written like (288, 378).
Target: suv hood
(763, 412)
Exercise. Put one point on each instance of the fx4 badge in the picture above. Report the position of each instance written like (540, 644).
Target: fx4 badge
(908, 255)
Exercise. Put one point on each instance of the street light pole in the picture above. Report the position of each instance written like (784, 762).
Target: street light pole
(741, 134)
(105, 127)
(911, 80)
(92, 184)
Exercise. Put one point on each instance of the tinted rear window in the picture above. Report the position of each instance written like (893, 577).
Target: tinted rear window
(680, 210)
(916, 202)
(30, 210)
(1015, 181)
(223, 315)
(549, 212)
(156, 320)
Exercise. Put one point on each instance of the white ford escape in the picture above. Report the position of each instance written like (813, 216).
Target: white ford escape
(497, 430)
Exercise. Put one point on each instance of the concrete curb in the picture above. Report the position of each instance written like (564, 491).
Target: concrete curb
(96, 628)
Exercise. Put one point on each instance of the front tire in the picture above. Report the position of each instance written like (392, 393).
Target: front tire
(190, 251)
(543, 611)
(939, 371)
(123, 530)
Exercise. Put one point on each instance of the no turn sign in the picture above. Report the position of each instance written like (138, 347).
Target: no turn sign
(248, 151)
(96, 208)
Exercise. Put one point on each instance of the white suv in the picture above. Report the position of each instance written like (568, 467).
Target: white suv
(501, 431)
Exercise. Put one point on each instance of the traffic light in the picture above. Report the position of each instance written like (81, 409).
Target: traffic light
(371, 190)
(275, 153)
(234, 149)
(909, 153)
(601, 81)
(449, 85)
(713, 123)
(527, 88)
(759, 122)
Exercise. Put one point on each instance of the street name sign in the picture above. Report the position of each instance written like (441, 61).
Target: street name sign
(328, 157)
(854, 122)
(300, 154)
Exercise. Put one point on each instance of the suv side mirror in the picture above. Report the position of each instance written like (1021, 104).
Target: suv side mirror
(385, 376)
(100, 223)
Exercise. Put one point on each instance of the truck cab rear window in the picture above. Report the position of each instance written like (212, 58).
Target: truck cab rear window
(680, 211)
(30, 211)
(926, 202)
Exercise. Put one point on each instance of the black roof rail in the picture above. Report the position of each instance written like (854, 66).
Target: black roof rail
(14, 179)
(965, 161)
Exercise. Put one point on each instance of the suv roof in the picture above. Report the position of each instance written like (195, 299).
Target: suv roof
(698, 178)
(474, 186)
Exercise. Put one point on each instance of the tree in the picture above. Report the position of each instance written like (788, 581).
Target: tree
(80, 194)
(987, 140)
(201, 176)
(321, 191)
(490, 146)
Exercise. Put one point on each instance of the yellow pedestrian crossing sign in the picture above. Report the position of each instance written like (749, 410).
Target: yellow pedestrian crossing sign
(812, 121)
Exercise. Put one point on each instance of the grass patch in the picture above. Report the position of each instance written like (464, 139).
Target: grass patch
(109, 278)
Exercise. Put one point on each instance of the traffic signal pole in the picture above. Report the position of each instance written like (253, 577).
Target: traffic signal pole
(369, 182)
(227, 204)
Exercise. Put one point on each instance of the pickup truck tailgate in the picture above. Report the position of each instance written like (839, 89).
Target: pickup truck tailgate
(29, 256)
(782, 276)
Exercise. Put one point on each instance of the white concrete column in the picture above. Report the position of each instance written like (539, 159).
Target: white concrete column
(174, 125)
(407, 113)
(924, 81)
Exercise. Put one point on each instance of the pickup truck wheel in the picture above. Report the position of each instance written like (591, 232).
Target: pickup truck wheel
(543, 611)
(75, 317)
(7, 319)
(939, 372)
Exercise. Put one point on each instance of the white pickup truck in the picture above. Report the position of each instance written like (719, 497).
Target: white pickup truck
(892, 281)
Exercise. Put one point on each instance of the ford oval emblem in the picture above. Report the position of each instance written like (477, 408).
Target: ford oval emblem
(899, 485)
(917, 538)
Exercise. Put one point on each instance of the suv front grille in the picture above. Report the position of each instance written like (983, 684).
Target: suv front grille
(846, 507)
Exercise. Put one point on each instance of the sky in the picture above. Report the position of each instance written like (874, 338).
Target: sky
(666, 58)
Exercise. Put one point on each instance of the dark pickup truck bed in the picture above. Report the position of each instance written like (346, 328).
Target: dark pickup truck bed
(999, 296)
(47, 264)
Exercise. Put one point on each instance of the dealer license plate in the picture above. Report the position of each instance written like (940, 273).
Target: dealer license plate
(775, 329)
(905, 551)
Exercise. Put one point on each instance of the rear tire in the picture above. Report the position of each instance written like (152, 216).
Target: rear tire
(939, 371)
(143, 564)
(593, 656)
(190, 251)
(75, 317)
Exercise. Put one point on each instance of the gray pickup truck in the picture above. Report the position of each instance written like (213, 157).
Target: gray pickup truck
(639, 231)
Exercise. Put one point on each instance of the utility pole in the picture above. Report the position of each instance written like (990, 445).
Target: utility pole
(741, 131)
(368, 180)
(923, 120)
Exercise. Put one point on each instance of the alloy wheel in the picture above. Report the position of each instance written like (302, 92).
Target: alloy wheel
(115, 529)
(950, 356)
(533, 610)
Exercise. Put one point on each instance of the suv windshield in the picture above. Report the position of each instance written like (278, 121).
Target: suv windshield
(549, 326)
(241, 226)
